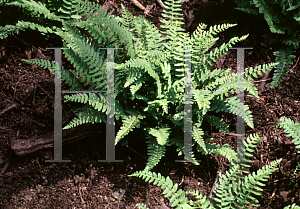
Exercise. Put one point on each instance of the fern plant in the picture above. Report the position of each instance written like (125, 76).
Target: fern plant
(150, 76)
(283, 17)
(234, 190)
(46, 16)
(293, 130)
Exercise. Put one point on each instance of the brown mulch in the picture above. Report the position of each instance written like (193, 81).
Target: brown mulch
(26, 111)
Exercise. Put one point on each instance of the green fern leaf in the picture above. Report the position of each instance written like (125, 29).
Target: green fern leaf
(155, 152)
(161, 134)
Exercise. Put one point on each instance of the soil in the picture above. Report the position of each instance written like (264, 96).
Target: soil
(26, 104)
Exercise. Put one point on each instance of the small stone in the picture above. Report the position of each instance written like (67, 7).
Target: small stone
(118, 194)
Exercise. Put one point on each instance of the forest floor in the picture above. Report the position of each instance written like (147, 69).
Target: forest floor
(26, 106)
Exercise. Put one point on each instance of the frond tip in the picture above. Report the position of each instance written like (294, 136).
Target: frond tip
(177, 196)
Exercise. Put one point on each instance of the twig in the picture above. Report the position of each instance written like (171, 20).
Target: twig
(273, 194)
(5, 167)
(17, 85)
(43, 89)
(80, 194)
(261, 80)
(181, 181)
(33, 101)
(33, 47)
(219, 175)
(40, 124)
(8, 108)
(161, 3)
(234, 134)
(138, 4)
(295, 64)
(136, 152)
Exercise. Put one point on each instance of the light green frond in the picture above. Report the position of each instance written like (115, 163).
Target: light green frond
(224, 150)
(96, 100)
(217, 122)
(87, 115)
(128, 125)
(177, 197)
(234, 106)
(293, 206)
(161, 134)
(252, 72)
(127, 17)
(283, 61)
(155, 152)
(292, 129)
(141, 206)
(198, 137)
(201, 202)
(203, 101)
(21, 25)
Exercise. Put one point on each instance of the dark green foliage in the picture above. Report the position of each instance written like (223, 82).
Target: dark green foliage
(149, 77)
(293, 130)
(46, 16)
(234, 190)
(283, 17)
(294, 206)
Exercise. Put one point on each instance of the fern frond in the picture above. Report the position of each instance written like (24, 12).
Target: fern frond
(161, 134)
(87, 115)
(128, 124)
(220, 51)
(217, 122)
(8, 30)
(224, 150)
(36, 8)
(82, 71)
(142, 63)
(292, 129)
(127, 17)
(141, 206)
(223, 195)
(94, 13)
(201, 201)
(178, 197)
(96, 100)
(198, 137)
(155, 152)
(251, 142)
(252, 72)
(45, 64)
(91, 60)
(233, 192)
(283, 61)
(171, 13)
(253, 182)
(246, 6)
(203, 101)
(185, 148)
(295, 173)
(231, 105)
(293, 206)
